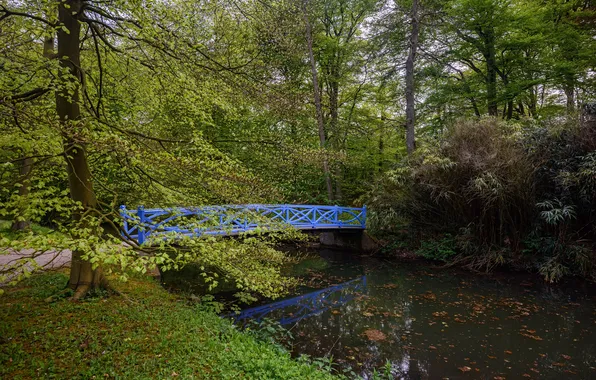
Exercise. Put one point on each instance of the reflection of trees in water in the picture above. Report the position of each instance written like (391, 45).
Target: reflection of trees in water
(409, 308)
(341, 332)
(495, 317)
(295, 309)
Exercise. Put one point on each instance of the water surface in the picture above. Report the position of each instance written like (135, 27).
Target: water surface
(430, 323)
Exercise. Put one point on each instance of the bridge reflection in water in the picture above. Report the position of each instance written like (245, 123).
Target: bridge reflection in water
(292, 310)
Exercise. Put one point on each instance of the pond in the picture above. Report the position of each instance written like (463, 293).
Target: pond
(428, 322)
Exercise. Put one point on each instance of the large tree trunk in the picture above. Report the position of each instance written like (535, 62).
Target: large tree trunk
(317, 97)
(82, 276)
(410, 94)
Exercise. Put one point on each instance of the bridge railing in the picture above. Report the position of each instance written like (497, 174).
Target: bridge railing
(141, 223)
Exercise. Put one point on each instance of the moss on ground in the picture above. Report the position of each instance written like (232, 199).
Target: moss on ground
(143, 333)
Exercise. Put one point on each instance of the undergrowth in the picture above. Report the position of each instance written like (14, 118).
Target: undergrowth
(143, 333)
(487, 193)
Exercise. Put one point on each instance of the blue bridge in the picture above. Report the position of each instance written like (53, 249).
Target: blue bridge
(140, 224)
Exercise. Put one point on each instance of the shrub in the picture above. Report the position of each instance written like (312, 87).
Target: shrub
(441, 249)
(500, 193)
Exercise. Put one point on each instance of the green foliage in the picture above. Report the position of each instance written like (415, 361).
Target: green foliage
(143, 333)
(271, 332)
(555, 212)
(506, 194)
(479, 179)
(442, 249)
(385, 373)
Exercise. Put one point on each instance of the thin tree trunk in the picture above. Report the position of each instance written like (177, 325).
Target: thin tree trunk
(317, 98)
(491, 71)
(381, 145)
(569, 89)
(410, 88)
(334, 125)
(82, 276)
(509, 109)
(522, 110)
(532, 102)
(475, 106)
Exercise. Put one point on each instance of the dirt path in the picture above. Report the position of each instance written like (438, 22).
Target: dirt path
(17, 262)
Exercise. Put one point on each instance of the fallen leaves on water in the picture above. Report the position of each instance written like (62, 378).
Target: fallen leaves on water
(508, 352)
(464, 369)
(375, 335)
(535, 337)
(432, 347)
(556, 364)
(566, 357)
(367, 314)
(429, 296)
(390, 286)
(526, 375)
(440, 314)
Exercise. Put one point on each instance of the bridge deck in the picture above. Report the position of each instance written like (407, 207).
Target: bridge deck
(141, 224)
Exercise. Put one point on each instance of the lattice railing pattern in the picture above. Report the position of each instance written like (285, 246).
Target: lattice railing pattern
(142, 223)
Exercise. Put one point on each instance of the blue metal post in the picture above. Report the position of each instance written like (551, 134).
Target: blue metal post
(337, 213)
(363, 221)
(141, 215)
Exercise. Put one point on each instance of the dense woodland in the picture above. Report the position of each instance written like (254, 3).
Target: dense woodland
(464, 125)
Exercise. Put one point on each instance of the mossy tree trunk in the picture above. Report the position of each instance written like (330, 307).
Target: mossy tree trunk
(82, 275)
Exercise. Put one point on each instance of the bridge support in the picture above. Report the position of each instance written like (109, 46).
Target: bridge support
(348, 239)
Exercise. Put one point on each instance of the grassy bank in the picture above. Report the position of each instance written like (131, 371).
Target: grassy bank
(143, 333)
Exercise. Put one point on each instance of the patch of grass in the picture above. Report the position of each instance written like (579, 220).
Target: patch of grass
(12, 235)
(143, 333)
